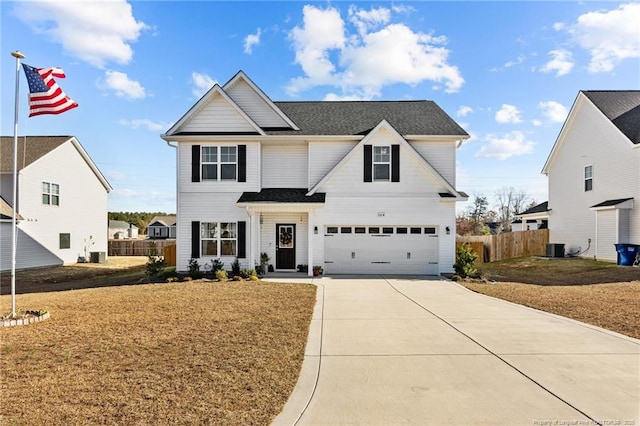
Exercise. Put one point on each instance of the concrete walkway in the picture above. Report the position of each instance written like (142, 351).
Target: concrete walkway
(387, 351)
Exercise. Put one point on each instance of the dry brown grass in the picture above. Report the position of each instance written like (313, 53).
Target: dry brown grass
(597, 293)
(180, 353)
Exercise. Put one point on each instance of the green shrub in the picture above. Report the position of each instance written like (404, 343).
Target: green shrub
(465, 261)
(235, 267)
(194, 269)
(247, 273)
(221, 275)
(154, 266)
(216, 265)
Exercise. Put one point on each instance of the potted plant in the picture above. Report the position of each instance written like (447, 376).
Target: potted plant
(264, 261)
(317, 270)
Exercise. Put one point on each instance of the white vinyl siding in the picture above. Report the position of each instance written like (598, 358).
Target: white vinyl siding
(285, 166)
(254, 105)
(82, 212)
(606, 234)
(441, 155)
(217, 115)
(324, 156)
(589, 138)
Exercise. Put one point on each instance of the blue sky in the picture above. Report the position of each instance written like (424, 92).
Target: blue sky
(508, 72)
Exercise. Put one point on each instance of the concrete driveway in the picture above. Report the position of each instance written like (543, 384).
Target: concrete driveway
(426, 351)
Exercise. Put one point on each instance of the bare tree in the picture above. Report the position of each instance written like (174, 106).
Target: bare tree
(509, 202)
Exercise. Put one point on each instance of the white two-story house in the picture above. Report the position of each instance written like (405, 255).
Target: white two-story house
(61, 207)
(356, 187)
(594, 175)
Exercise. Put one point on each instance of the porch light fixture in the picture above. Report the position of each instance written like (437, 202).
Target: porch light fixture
(261, 219)
(315, 229)
(447, 230)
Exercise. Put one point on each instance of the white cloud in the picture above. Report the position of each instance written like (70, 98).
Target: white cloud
(124, 87)
(201, 83)
(554, 111)
(95, 32)
(376, 54)
(252, 40)
(609, 36)
(505, 146)
(537, 122)
(152, 126)
(508, 114)
(116, 175)
(561, 62)
(464, 110)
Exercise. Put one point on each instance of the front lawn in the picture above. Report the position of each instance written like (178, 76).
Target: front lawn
(597, 293)
(180, 353)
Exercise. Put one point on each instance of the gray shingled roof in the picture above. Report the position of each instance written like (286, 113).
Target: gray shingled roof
(6, 211)
(611, 203)
(281, 195)
(538, 208)
(36, 147)
(360, 117)
(622, 107)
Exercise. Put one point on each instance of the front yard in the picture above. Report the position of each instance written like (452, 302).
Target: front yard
(180, 353)
(598, 293)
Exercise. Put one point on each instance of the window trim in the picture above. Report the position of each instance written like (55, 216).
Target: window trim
(375, 162)
(219, 239)
(219, 163)
(588, 180)
(50, 194)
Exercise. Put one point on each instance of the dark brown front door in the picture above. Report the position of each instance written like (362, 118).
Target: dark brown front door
(285, 246)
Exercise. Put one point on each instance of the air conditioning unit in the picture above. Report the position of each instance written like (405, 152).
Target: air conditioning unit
(555, 250)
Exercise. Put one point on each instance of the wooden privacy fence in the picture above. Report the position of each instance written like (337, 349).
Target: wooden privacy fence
(508, 244)
(166, 248)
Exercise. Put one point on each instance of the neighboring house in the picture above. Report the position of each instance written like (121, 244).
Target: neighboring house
(353, 186)
(536, 217)
(119, 229)
(162, 227)
(62, 202)
(594, 175)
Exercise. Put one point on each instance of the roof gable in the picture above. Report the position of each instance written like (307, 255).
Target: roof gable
(35, 148)
(622, 107)
(256, 103)
(384, 125)
(215, 113)
(162, 221)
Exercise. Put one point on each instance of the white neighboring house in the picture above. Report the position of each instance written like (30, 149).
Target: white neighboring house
(535, 217)
(119, 230)
(162, 227)
(356, 187)
(62, 202)
(594, 175)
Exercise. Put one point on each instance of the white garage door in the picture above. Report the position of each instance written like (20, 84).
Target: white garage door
(411, 250)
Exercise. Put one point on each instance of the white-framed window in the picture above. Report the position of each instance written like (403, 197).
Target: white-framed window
(50, 193)
(219, 238)
(381, 163)
(219, 162)
(588, 178)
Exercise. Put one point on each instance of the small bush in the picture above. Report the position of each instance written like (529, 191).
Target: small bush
(235, 267)
(254, 278)
(154, 266)
(303, 268)
(247, 273)
(260, 269)
(216, 265)
(221, 275)
(194, 269)
(465, 261)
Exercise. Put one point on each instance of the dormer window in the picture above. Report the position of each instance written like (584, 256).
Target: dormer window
(381, 163)
(588, 178)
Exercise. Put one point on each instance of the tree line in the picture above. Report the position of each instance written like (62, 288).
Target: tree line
(477, 218)
(139, 219)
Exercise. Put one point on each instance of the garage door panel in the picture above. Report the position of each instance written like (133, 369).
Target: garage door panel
(351, 253)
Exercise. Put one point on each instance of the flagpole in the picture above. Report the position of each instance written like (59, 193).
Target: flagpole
(14, 239)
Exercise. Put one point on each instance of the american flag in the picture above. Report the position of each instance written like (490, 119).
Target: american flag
(45, 96)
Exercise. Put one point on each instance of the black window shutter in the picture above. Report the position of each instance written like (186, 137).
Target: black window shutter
(195, 163)
(195, 239)
(395, 163)
(242, 163)
(368, 161)
(242, 240)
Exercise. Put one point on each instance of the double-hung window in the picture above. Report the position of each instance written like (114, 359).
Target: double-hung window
(218, 238)
(50, 193)
(219, 162)
(588, 178)
(381, 163)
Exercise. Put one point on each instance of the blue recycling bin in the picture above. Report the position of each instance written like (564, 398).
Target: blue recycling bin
(627, 253)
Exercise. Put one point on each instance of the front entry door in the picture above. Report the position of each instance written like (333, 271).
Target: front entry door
(285, 246)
